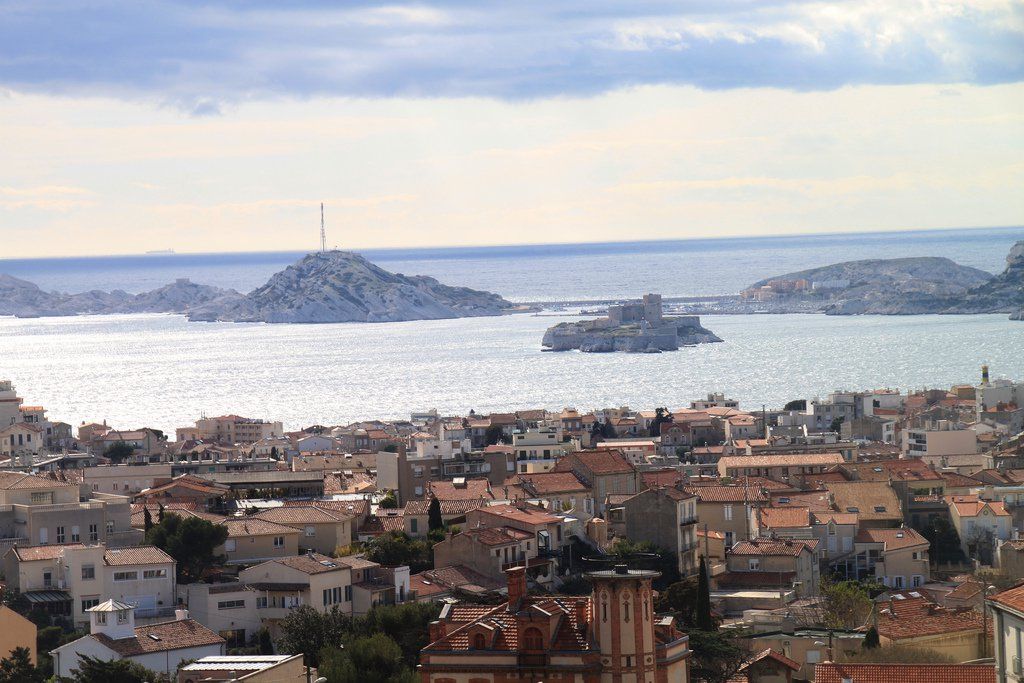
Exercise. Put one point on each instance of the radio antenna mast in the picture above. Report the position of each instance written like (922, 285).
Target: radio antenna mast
(323, 231)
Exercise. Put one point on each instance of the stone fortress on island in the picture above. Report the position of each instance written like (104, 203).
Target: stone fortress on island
(638, 326)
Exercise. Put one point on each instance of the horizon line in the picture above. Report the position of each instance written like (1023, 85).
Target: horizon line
(457, 247)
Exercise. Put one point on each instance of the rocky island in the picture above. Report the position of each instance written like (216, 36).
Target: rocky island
(638, 327)
(324, 287)
(904, 286)
(340, 286)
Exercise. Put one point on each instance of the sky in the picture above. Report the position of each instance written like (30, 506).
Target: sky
(221, 126)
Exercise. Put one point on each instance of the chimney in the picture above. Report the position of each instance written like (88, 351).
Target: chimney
(180, 614)
(516, 586)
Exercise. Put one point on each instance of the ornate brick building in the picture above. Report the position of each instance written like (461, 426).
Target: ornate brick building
(612, 636)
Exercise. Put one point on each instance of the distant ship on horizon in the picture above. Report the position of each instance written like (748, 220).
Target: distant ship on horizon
(160, 252)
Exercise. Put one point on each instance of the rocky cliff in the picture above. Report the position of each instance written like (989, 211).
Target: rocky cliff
(1002, 294)
(25, 299)
(340, 286)
(326, 287)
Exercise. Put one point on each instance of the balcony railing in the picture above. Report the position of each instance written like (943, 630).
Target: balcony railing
(687, 521)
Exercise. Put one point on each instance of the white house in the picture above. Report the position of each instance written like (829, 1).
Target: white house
(158, 647)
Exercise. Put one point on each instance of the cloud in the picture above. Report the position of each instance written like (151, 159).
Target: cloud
(200, 56)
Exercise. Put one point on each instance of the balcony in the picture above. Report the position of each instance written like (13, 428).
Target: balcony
(687, 521)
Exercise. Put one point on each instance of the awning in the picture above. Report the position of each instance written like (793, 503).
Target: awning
(48, 596)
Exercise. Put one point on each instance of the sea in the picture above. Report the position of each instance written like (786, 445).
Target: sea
(163, 371)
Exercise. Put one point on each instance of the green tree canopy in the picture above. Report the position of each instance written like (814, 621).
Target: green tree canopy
(847, 604)
(434, 518)
(397, 548)
(717, 656)
(17, 667)
(93, 670)
(306, 630)
(702, 614)
(681, 600)
(371, 659)
(646, 555)
(406, 624)
(389, 501)
(661, 416)
(871, 639)
(118, 452)
(796, 404)
(191, 542)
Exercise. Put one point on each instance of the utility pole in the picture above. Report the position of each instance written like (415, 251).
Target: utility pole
(323, 230)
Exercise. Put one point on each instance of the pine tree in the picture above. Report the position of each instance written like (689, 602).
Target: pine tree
(434, 518)
(704, 620)
(871, 640)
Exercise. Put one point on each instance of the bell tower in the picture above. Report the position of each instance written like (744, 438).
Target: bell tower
(623, 612)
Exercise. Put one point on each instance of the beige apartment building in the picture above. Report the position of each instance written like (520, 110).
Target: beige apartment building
(230, 429)
(252, 540)
(786, 467)
(126, 480)
(36, 510)
(981, 525)
(666, 517)
(321, 530)
(727, 509)
(775, 563)
(228, 609)
(69, 579)
(895, 557)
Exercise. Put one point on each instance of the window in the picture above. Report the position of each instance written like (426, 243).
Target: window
(897, 581)
(479, 641)
(89, 602)
(122, 617)
(278, 541)
(414, 525)
(419, 491)
(310, 531)
(235, 637)
(229, 545)
(533, 639)
(813, 656)
(75, 536)
(101, 617)
(261, 602)
(94, 534)
(348, 593)
(60, 534)
(916, 580)
(88, 572)
(154, 574)
(231, 604)
(47, 579)
(727, 512)
(754, 564)
(126, 576)
(110, 526)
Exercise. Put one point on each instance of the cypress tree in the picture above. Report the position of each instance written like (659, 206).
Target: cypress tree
(160, 513)
(147, 519)
(434, 518)
(871, 640)
(702, 616)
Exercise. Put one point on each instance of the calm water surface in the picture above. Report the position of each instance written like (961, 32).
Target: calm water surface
(162, 371)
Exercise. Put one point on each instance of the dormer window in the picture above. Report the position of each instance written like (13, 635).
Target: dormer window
(122, 617)
(479, 641)
(533, 639)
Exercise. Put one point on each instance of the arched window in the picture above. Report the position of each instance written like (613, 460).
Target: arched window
(479, 641)
(533, 639)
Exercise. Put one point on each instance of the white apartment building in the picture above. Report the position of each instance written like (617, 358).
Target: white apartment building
(939, 438)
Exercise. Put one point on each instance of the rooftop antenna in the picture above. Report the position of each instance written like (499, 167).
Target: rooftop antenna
(323, 231)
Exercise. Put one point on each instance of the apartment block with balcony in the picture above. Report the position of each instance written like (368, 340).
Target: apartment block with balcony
(67, 580)
(938, 438)
(230, 429)
(37, 510)
(666, 517)
(894, 557)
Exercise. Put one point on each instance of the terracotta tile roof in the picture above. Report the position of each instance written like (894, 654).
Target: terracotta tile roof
(301, 515)
(383, 522)
(900, 469)
(666, 477)
(313, 563)
(449, 508)
(872, 500)
(20, 480)
(957, 480)
(830, 672)
(780, 460)
(726, 494)
(347, 507)
(968, 590)
(817, 501)
(1011, 597)
(773, 547)
(169, 635)
(784, 517)
(239, 527)
(892, 539)
(528, 514)
(770, 654)
(971, 506)
(32, 553)
(491, 536)
(596, 462)
(473, 489)
(458, 577)
(190, 482)
(910, 615)
(143, 554)
(546, 483)
(836, 517)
